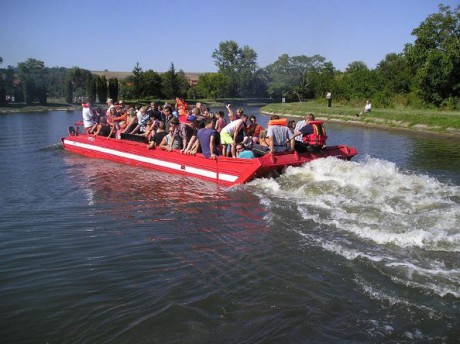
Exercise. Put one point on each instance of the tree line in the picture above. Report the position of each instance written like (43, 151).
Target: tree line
(425, 74)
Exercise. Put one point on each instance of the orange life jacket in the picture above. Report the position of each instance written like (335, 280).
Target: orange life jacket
(181, 106)
(281, 121)
(319, 137)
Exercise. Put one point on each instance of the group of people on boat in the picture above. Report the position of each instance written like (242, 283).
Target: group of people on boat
(199, 130)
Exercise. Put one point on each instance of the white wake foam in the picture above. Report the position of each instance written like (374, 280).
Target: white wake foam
(371, 210)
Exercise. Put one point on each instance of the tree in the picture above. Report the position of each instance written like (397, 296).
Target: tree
(358, 81)
(136, 79)
(151, 82)
(12, 86)
(182, 83)
(101, 88)
(281, 77)
(113, 89)
(79, 78)
(294, 76)
(212, 85)
(394, 73)
(324, 80)
(238, 65)
(434, 57)
(69, 91)
(32, 75)
(170, 86)
(91, 89)
(305, 67)
(2, 86)
(55, 80)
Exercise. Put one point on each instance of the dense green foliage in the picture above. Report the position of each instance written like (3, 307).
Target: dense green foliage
(113, 89)
(32, 74)
(425, 74)
(238, 65)
(434, 58)
(101, 89)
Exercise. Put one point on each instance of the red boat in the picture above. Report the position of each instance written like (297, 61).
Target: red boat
(223, 170)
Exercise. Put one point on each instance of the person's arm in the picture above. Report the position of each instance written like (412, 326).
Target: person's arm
(183, 135)
(195, 147)
(191, 144)
(135, 129)
(271, 144)
(212, 147)
(292, 143)
(164, 143)
(230, 111)
(120, 118)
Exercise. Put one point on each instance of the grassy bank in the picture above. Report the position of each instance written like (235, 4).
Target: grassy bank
(440, 122)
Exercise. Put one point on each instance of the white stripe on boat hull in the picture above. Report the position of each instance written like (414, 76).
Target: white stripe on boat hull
(156, 162)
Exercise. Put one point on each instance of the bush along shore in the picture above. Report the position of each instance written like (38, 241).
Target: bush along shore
(431, 121)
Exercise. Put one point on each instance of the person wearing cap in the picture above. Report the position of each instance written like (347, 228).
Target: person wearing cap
(187, 132)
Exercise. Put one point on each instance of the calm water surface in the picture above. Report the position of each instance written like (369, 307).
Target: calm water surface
(365, 251)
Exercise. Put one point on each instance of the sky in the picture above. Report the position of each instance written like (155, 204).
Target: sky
(114, 35)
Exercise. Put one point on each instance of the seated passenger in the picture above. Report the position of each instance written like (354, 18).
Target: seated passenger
(121, 119)
(154, 112)
(103, 127)
(206, 140)
(291, 125)
(114, 125)
(253, 129)
(301, 124)
(143, 120)
(279, 136)
(244, 153)
(187, 133)
(172, 140)
(156, 139)
(313, 136)
(131, 120)
(263, 138)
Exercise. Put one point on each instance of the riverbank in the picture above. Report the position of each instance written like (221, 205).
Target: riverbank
(12, 108)
(445, 123)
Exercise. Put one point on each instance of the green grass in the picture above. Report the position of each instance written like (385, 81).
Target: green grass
(427, 120)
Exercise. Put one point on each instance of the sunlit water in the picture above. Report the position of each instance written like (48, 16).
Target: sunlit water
(334, 251)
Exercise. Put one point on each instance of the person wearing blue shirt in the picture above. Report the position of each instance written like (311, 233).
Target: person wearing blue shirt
(243, 153)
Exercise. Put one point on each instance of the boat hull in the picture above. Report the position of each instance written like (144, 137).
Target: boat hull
(223, 170)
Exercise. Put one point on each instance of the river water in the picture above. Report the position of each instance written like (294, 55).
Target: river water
(365, 251)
